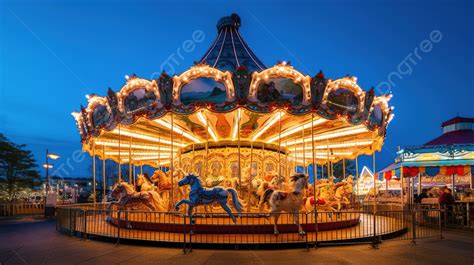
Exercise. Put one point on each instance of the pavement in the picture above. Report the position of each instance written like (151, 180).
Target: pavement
(33, 241)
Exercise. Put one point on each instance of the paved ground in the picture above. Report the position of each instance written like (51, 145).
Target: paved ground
(37, 242)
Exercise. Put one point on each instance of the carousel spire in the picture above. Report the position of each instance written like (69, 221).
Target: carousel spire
(229, 50)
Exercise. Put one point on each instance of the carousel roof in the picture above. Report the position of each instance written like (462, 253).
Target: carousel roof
(229, 50)
(229, 96)
(457, 130)
(454, 150)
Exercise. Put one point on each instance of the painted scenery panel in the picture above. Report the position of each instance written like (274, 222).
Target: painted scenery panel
(203, 89)
(343, 100)
(138, 99)
(100, 116)
(280, 90)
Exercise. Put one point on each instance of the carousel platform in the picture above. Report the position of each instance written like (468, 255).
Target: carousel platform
(214, 229)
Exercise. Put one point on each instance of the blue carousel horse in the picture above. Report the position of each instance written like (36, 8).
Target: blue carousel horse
(202, 196)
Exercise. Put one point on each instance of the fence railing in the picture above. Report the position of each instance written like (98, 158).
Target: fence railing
(251, 228)
(14, 209)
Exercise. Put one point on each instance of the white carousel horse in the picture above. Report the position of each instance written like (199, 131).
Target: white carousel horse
(372, 193)
(127, 198)
(202, 196)
(289, 202)
(214, 181)
(249, 186)
(343, 190)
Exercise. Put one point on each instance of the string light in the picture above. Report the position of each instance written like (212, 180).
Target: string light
(334, 134)
(237, 118)
(270, 122)
(209, 128)
(177, 130)
(297, 128)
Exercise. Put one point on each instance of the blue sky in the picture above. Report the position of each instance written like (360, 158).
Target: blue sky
(55, 52)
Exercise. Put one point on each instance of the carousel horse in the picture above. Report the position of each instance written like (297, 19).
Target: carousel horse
(434, 192)
(320, 203)
(204, 196)
(289, 202)
(372, 193)
(145, 184)
(343, 190)
(127, 198)
(214, 181)
(249, 186)
(163, 183)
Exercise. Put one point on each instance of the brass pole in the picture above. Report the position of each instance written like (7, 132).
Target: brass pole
(93, 174)
(279, 143)
(375, 180)
(130, 180)
(314, 161)
(357, 175)
(327, 158)
(343, 168)
(172, 164)
(250, 178)
(104, 179)
(238, 159)
(120, 156)
(305, 171)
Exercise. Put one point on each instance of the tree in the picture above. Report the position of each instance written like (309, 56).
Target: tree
(338, 169)
(17, 168)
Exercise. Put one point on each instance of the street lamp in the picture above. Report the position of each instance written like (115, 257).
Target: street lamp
(47, 166)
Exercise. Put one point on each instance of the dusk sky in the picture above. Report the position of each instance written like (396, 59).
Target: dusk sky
(53, 53)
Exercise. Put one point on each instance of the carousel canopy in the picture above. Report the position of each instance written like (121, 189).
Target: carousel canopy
(231, 99)
(229, 51)
(451, 153)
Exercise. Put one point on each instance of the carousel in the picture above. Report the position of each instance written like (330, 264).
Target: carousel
(233, 138)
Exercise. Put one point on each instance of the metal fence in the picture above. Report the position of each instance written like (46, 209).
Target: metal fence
(14, 209)
(251, 229)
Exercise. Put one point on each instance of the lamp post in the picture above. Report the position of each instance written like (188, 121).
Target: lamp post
(47, 166)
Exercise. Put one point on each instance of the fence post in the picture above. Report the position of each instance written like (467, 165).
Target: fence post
(73, 221)
(316, 229)
(184, 235)
(440, 224)
(306, 225)
(118, 227)
(375, 243)
(190, 233)
(413, 224)
(85, 224)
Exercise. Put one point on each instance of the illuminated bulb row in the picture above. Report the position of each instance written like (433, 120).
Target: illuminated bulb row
(145, 137)
(134, 83)
(301, 161)
(335, 146)
(115, 143)
(335, 134)
(322, 155)
(296, 129)
(126, 160)
(203, 120)
(177, 130)
(125, 153)
(268, 124)
(316, 156)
